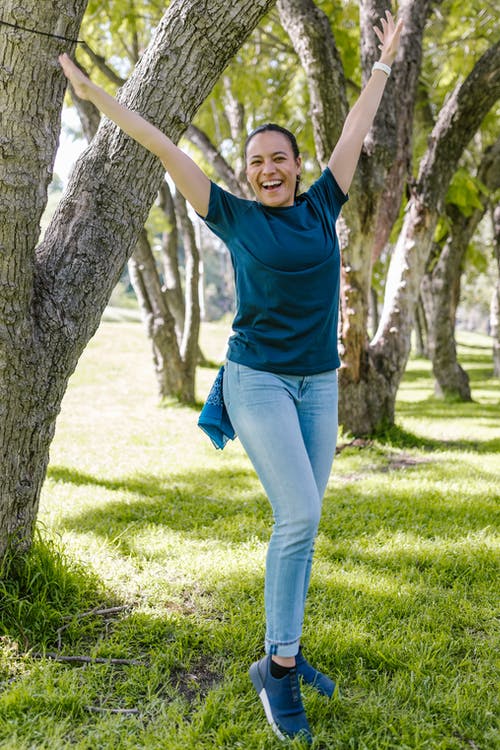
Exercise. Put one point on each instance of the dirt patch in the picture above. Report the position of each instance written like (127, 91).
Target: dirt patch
(197, 681)
(396, 462)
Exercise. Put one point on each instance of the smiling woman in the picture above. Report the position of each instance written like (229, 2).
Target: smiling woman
(273, 165)
(280, 378)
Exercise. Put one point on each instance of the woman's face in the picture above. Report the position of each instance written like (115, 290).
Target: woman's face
(272, 169)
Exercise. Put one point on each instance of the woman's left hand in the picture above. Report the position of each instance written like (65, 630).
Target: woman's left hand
(79, 81)
(389, 36)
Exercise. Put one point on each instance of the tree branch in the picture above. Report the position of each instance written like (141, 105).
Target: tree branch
(101, 64)
(399, 107)
(312, 38)
(457, 122)
(86, 659)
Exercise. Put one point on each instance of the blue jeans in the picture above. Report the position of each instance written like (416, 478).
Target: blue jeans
(288, 425)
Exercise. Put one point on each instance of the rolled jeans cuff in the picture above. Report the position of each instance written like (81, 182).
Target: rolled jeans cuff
(282, 649)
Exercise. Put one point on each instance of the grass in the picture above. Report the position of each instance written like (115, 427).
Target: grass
(139, 514)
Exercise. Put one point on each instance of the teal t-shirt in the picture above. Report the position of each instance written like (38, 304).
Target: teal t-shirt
(287, 275)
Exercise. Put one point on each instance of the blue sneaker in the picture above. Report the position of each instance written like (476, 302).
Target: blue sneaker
(281, 700)
(311, 676)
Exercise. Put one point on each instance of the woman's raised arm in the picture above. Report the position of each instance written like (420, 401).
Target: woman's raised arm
(191, 181)
(345, 156)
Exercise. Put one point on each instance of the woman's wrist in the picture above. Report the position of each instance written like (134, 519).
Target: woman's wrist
(383, 67)
(386, 60)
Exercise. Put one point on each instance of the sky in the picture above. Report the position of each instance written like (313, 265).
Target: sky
(69, 147)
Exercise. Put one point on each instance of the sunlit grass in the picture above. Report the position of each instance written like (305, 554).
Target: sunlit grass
(139, 511)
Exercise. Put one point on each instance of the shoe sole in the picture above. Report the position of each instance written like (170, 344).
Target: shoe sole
(261, 692)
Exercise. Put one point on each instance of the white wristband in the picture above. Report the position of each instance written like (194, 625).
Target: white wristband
(383, 67)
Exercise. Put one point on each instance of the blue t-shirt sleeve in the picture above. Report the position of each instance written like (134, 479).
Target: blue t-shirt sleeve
(225, 212)
(327, 193)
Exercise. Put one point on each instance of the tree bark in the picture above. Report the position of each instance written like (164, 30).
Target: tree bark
(158, 320)
(406, 72)
(441, 282)
(51, 301)
(387, 150)
(32, 94)
(189, 343)
(421, 333)
(201, 140)
(310, 33)
(172, 285)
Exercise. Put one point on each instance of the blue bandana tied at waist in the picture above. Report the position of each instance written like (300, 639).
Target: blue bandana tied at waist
(214, 419)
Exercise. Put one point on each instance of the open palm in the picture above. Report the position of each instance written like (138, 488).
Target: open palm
(389, 36)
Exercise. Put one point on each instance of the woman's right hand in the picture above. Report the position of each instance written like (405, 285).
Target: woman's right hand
(78, 80)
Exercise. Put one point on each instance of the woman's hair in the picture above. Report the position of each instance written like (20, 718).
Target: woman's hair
(276, 129)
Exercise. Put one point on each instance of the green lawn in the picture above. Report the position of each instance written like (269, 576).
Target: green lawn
(141, 514)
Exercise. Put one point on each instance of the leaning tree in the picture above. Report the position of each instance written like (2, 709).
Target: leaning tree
(52, 295)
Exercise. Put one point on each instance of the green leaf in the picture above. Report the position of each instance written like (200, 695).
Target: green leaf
(464, 192)
(442, 229)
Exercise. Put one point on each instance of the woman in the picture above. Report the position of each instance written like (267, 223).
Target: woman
(280, 378)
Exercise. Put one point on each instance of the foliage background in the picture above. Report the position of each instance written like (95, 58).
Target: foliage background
(456, 36)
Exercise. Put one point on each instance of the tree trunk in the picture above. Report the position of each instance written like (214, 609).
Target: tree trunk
(457, 122)
(374, 315)
(172, 285)
(387, 150)
(437, 291)
(189, 343)
(495, 302)
(158, 320)
(403, 99)
(421, 333)
(366, 405)
(51, 301)
(31, 99)
(441, 286)
(310, 33)
(158, 305)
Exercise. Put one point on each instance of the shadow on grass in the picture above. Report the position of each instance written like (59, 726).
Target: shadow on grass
(228, 505)
(398, 437)
(475, 346)
(231, 508)
(383, 602)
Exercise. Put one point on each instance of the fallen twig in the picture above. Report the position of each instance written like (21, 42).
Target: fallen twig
(99, 709)
(87, 659)
(96, 611)
(104, 611)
